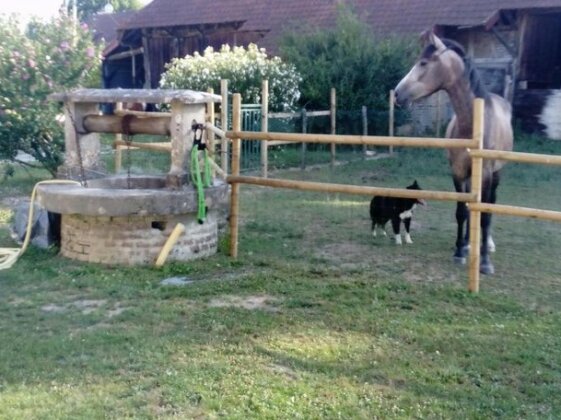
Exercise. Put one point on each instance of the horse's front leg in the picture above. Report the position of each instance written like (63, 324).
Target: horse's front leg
(488, 195)
(461, 217)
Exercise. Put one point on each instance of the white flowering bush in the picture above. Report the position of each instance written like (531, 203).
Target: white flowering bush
(245, 69)
(44, 58)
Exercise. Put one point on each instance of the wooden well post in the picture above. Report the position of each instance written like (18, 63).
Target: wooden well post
(235, 196)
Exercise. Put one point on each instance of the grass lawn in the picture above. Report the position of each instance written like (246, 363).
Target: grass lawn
(316, 319)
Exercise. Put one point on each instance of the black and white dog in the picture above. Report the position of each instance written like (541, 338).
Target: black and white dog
(383, 209)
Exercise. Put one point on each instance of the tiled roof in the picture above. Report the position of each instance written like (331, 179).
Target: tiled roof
(402, 16)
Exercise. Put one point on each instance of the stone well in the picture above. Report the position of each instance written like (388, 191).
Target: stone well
(111, 224)
(127, 220)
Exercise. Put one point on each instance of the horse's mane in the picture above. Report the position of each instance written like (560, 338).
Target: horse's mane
(470, 72)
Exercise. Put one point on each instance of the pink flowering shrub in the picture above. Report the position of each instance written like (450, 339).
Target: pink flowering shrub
(44, 58)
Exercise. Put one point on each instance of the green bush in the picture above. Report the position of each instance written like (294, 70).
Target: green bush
(88, 8)
(350, 57)
(44, 58)
(245, 69)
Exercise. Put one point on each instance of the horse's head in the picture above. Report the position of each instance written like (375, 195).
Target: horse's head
(439, 66)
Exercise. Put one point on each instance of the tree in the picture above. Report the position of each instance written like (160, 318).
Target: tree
(245, 69)
(87, 8)
(47, 57)
(350, 57)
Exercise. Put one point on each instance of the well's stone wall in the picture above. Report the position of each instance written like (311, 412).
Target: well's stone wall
(135, 240)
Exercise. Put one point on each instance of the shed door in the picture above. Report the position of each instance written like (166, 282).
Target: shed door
(541, 58)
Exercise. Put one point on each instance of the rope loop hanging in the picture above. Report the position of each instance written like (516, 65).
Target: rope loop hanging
(200, 146)
(126, 130)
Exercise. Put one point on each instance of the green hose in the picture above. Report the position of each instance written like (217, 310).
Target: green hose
(197, 179)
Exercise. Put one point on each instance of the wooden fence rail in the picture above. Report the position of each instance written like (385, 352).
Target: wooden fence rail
(356, 140)
(351, 189)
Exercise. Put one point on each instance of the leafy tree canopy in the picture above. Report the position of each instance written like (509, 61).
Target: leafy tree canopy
(350, 57)
(87, 8)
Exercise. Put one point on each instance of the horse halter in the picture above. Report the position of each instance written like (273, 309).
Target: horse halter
(439, 53)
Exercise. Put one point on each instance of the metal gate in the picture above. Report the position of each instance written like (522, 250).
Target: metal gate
(251, 150)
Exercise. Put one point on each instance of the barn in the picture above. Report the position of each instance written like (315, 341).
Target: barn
(515, 44)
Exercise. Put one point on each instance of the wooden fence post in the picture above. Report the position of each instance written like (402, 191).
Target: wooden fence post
(304, 144)
(224, 124)
(235, 197)
(333, 109)
(210, 138)
(265, 128)
(364, 129)
(476, 181)
(391, 117)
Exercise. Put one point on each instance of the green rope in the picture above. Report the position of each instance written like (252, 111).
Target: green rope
(196, 176)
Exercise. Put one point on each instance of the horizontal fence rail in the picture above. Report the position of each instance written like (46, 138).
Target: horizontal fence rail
(356, 140)
(285, 115)
(351, 189)
(516, 211)
(156, 147)
(517, 157)
(550, 215)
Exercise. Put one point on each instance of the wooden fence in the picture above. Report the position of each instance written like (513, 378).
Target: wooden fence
(304, 115)
(165, 146)
(473, 199)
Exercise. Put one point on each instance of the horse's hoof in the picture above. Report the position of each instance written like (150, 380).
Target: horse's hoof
(459, 260)
(487, 268)
(460, 256)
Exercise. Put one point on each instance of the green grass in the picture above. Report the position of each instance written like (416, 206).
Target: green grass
(349, 326)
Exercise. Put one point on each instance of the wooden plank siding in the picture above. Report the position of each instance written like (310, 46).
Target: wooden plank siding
(163, 45)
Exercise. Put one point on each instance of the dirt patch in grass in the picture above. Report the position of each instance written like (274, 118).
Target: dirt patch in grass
(52, 308)
(118, 310)
(254, 302)
(283, 371)
(423, 271)
(344, 253)
(10, 202)
(19, 301)
(87, 306)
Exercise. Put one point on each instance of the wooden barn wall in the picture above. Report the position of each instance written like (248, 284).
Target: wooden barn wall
(493, 60)
(537, 102)
(162, 48)
(540, 63)
(159, 53)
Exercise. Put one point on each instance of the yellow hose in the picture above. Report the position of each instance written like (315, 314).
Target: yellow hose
(8, 256)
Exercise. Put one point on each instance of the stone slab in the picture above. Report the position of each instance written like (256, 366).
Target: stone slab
(153, 96)
(110, 197)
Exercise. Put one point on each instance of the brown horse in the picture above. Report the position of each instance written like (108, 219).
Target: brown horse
(443, 65)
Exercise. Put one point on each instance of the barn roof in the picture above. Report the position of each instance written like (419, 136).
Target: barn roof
(398, 16)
